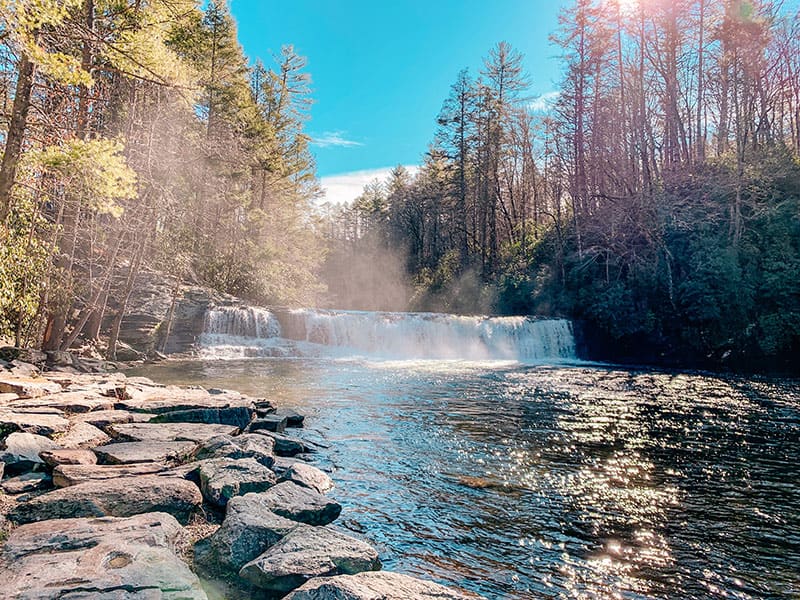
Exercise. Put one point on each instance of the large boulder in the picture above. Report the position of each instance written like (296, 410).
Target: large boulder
(27, 387)
(113, 498)
(22, 451)
(246, 445)
(310, 477)
(309, 552)
(270, 422)
(301, 504)
(97, 558)
(284, 444)
(66, 475)
(126, 453)
(32, 422)
(82, 435)
(375, 585)
(168, 432)
(223, 478)
(249, 528)
(78, 401)
(157, 400)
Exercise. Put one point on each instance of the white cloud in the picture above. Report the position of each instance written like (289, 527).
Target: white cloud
(544, 103)
(346, 187)
(333, 138)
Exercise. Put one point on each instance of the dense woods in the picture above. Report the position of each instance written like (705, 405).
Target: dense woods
(657, 200)
(137, 136)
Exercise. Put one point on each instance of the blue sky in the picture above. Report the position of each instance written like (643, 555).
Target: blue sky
(381, 68)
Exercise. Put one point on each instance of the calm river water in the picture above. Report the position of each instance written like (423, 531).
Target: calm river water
(579, 481)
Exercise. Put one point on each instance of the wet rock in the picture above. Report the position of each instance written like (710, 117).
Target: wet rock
(103, 418)
(254, 446)
(113, 498)
(238, 416)
(269, 423)
(249, 528)
(68, 456)
(301, 504)
(27, 387)
(22, 451)
(375, 585)
(98, 558)
(285, 445)
(223, 478)
(68, 475)
(82, 435)
(309, 477)
(143, 452)
(32, 422)
(309, 552)
(293, 419)
(168, 432)
(29, 482)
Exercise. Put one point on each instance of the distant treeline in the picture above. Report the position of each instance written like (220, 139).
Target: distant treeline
(136, 136)
(657, 198)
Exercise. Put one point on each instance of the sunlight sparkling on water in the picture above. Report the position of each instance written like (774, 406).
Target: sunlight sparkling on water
(523, 482)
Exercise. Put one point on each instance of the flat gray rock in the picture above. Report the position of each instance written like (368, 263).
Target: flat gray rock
(309, 552)
(249, 528)
(310, 477)
(224, 478)
(29, 482)
(168, 432)
(28, 387)
(103, 418)
(284, 444)
(67, 475)
(68, 456)
(246, 445)
(375, 585)
(68, 401)
(171, 398)
(82, 435)
(113, 498)
(97, 558)
(32, 422)
(125, 453)
(293, 418)
(270, 422)
(22, 450)
(301, 504)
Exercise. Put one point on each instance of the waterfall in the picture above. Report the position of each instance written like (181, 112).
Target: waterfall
(240, 332)
(432, 336)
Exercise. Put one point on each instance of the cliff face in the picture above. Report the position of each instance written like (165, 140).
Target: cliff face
(165, 316)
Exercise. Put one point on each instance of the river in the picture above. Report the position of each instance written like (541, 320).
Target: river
(551, 479)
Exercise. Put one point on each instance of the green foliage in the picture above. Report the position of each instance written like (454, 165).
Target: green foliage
(94, 170)
(24, 263)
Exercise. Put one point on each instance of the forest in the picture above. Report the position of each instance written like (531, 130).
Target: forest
(655, 199)
(137, 135)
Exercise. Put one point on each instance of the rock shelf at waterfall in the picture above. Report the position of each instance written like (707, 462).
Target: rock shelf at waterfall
(117, 486)
(239, 332)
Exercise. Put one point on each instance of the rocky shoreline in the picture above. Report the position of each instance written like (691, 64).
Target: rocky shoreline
(119, 487)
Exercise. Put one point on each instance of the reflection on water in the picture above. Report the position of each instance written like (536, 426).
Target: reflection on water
(553, 482)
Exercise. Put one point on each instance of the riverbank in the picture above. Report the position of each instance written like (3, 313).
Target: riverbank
(117, 486)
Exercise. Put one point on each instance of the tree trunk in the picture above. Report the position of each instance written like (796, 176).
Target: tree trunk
(16, 133)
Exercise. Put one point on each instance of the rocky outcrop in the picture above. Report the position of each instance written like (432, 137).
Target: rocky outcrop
(373, 585)
(113, 498)
(309, 477)
(22, 451)
(249, 528)
(301, 504)
(309, 552)
(98, 558)
(224, 478)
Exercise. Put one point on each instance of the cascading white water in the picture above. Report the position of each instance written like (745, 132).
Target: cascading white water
(239, 332)
(434, 336)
